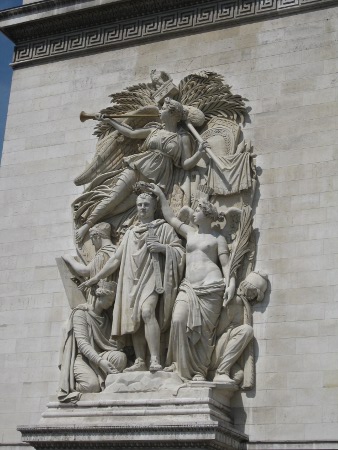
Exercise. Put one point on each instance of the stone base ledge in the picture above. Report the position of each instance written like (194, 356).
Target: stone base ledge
(133, 412)
(203, 436)
(293, 445)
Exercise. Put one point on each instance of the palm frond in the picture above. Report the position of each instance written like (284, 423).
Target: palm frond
(130, 99)
(206, 91)
(240, 245)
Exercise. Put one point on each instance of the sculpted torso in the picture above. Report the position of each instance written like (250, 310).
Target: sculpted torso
(202, 259)
(163, 140)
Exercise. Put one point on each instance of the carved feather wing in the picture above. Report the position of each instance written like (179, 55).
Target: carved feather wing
(112, 147)
(232, 220)
(206, 91)
(185, 214)
(133, 98)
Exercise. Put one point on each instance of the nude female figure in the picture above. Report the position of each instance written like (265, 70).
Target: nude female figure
(202, 293)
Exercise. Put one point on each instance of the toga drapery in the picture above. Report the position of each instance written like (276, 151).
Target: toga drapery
(137, 280)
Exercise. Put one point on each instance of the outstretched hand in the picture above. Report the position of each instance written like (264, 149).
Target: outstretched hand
(87, 284)
(107, 120)
(67, 258)
(152, 187)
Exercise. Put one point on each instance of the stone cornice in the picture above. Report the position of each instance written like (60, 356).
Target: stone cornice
(203, 436)
(55, 29)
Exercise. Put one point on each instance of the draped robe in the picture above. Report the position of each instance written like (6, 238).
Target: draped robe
(137, 279)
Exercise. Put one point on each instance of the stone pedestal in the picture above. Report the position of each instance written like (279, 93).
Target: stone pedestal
(141, 410)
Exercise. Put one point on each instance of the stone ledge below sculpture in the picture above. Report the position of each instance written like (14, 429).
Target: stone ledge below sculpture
(193, 414)
(165, 260)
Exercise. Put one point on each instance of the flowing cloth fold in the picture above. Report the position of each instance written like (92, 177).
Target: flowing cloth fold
(234, 178)
(159, 161)
(192, 334)
(100, 259)
(93, 332)
(137, 280)
(242, 347)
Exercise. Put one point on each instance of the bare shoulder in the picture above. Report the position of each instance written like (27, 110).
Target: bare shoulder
(185, 138)
(221, 239)
(219, 236)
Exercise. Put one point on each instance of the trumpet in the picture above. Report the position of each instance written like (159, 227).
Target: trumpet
(96, 116)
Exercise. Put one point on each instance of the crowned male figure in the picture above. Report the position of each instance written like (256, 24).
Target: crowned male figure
(151, 262)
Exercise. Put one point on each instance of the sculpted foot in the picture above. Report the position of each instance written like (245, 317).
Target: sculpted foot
(224, 378)
(170, 368)
(81, 232)
(138, 366)
(155, 366)
(198, 377)
(238, 377)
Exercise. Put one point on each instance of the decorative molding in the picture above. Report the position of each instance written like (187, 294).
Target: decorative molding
(293, 445)
(68, 34)
(207, 437)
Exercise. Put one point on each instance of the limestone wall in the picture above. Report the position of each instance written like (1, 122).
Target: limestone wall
(287, 68)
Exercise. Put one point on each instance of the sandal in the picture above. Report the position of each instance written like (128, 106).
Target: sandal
(155, 366)
(198, 377)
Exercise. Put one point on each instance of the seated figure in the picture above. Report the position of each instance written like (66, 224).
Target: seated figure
(88, 355)
(234, 331)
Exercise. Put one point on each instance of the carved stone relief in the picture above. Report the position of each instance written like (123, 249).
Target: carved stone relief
(171, 184)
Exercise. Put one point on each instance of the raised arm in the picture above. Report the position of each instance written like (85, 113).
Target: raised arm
(188, 161)
(139, 133)
(109, 268)
(168, 214)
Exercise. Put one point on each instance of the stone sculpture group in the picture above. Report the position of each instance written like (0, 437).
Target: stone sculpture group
(172, 184)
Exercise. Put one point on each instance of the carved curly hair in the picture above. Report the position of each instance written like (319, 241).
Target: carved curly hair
(209, 210)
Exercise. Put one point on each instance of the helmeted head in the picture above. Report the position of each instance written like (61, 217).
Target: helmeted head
(173, 108)
(254, 286)
(98, 232)
(102, 229)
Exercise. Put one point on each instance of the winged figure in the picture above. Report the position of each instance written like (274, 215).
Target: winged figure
(160, 142)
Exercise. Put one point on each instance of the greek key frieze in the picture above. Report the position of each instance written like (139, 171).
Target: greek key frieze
(157, 24)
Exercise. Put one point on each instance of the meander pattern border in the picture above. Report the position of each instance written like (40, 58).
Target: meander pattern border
(158, 25)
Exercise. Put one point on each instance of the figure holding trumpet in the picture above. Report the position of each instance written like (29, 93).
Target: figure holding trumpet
(163, 150)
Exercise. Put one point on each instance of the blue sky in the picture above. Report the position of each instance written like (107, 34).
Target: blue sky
(6, 52)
